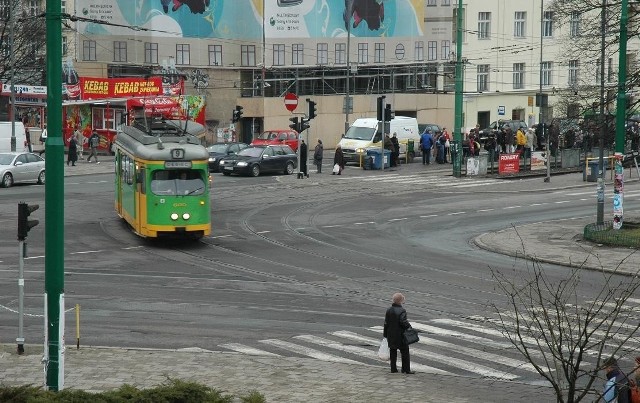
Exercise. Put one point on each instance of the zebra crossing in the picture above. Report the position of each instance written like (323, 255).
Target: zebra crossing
(469, 346)
(436, 181)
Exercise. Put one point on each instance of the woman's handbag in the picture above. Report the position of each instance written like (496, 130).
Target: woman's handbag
(336, 169)
(383, 351)
(410, 336)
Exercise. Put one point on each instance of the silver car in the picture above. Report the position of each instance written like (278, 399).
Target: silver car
(18, 167)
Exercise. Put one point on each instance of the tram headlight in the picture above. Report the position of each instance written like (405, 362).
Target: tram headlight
(174, 216)
(186, 216)
(242, 164)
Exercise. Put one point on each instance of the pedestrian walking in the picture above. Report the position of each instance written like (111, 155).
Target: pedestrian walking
(426, 142)
(43, 139)
(388, 145)
(395, 154)
(531, 142)
(303, 158)
(80, 140)
(72, 153)
(616, 387)
(317, 156)
(447, 145)
(94, 140)
(395, 323)
(338, 159)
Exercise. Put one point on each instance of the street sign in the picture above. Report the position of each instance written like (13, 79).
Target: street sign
(290, 101)
(501, 110)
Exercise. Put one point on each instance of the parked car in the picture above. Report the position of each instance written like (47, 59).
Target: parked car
(432, 127)
(19, 167)
(254, 160)
(278, 137)
(498, 125)
(219, 150)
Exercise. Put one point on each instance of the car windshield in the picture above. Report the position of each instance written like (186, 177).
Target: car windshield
(268, 135)
(251, 152)
(218, 148)
(6, 159)
(177, 182)
(360, 133)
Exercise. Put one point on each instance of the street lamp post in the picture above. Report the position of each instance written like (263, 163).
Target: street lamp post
(459, 88)
(603, 126)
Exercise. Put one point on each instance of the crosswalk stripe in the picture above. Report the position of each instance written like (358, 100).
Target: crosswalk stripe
(481, 329)
(241, 348)
(452, 333)
(309, 352)
(509, 362)
(364, 352)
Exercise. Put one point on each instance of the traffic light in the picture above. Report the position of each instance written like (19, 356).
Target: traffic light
(24, 224)
(294, 123)
(237, 114)
(388, 114)
(304, 125)
(312, 109)
(380, 107)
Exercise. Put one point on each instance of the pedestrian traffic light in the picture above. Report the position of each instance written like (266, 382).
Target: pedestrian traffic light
(24, 224)
(312, 109)
(304, 125)
(294, 123)
(380, 107)
(388, 114)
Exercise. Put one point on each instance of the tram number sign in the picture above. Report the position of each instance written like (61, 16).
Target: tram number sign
(177, 154)
(178, 164)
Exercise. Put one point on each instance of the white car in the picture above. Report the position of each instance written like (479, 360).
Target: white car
(19, 167)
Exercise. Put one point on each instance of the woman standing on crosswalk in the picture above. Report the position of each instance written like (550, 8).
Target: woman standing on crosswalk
(395, 323)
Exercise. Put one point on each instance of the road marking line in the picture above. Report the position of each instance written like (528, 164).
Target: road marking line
(510, 207)
(263, 232)
(398, 219)
(452, 333)
(485, 210)
(86, 252)
(562, 202)
(459, 212)
(241, 348)
(364, 223)
(428, 216)
(309, 352)
(332, 226)
(220, 236)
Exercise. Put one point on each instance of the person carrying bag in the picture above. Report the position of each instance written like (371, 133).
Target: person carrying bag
(395, 328)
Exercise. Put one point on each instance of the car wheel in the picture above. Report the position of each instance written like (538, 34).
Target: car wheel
(41, 178)
(226, 173)
(289, 169)
(255, 170)
(7, 180)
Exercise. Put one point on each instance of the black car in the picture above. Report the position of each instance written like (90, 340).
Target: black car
(219, 150)
(499, 125)
(254, 160)
(431, 127)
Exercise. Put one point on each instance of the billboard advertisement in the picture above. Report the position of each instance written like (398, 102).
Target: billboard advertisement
(243, 19)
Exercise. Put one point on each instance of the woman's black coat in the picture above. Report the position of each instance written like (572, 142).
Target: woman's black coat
(395, 323)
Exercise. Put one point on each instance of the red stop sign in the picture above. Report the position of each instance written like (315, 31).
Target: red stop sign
(290, 101)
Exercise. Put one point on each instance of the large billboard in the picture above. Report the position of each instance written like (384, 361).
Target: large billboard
(243, 19)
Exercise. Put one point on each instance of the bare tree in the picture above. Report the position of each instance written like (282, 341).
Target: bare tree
(29, 38)
(563, 334)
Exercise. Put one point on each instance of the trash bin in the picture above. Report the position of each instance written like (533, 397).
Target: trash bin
(590, 173)
(374, 155)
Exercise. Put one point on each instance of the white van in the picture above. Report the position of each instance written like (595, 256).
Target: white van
(5, 137)
(364, 134)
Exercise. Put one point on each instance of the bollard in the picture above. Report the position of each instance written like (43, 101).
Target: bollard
(77, 326)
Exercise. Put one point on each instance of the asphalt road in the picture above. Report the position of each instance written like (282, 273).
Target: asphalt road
(291, 258)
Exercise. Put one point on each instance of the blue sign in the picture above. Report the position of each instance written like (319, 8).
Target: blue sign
(501, 110)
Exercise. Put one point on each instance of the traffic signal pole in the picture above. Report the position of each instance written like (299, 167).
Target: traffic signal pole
(54, 200)
(457, 130)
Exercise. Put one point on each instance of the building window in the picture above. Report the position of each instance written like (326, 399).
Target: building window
(119, 51)
(65, 46)
(215, 55)
(547, 24)
(432, 3)
(297, 53)
(419, 56)
(574, 24)
(483, 77)
(573, 73)
(547, 80)
(363, 53)
(63, 4)
(248, 55)
(446, 2)
(151, 53)
(183, 53)
(432, 50)
(484, 25)
(341, 53)
(379, 53)
(520, 24)
(323, 53)
(518, 76)
(445, 49)
(33, 8)
(5, 9)
(278, 54)
(89, 50)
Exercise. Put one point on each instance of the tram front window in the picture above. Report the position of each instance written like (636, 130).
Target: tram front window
(174, 183)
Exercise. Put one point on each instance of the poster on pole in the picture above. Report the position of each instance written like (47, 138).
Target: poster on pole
(618, 192)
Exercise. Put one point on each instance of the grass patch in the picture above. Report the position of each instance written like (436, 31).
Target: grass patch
(627, 236)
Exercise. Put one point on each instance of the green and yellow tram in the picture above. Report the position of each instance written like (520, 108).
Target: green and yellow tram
(162, 179)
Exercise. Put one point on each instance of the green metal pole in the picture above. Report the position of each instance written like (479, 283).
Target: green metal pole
(457, 126)
(621, 104)
(54, 201)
